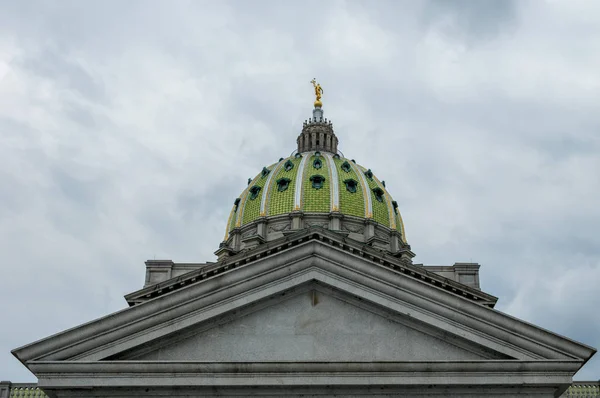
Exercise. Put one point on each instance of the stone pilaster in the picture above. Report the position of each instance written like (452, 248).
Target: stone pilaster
(396, 243)
(297, 220)
(369, 229)
(335, 221)
(261, 227)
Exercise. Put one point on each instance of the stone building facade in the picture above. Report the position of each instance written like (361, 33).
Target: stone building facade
(314, 293)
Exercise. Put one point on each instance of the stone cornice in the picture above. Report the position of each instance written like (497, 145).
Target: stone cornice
(331, 238)
(191, 373)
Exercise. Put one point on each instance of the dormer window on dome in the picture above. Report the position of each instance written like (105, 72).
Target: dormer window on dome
(351, 185)
(254, 192)
(317, 181)
(287, 166)
(317, 164)
(265, 172)
(236, 203)
(378, 194)
(283, 184)
(369, 174)
(346, 167)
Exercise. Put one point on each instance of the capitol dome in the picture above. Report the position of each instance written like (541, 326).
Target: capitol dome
(316, 187)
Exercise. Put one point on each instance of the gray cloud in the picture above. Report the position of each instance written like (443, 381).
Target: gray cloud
(471, 21)
(128, 129)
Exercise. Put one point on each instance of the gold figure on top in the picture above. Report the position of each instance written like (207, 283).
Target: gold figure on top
(318, 93)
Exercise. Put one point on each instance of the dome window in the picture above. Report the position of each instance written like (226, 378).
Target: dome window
(249, 181)
(297, 156)
(317, 164)
(254, 192)
(336, 156)
(288, 165)
(283, 184)
(280, 159)
(351, 185)
(317, 154)
(369, 174)
(346, 167)
(395, 206)
(378, 194)
(236, 203)
(265, 172)
(317, 181)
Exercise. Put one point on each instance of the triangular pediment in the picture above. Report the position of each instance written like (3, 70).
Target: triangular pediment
(312, 322)
(305, 306)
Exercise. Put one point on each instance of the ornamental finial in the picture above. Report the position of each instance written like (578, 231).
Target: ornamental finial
(318, 93)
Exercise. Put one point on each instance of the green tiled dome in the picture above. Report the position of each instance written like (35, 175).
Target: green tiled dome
(315, 182)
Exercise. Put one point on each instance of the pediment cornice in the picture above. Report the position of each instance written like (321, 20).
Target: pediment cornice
(332, 239)
(308, 261)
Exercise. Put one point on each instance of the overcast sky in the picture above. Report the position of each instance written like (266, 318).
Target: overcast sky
(127, 129)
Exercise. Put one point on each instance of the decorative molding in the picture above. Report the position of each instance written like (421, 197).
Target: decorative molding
(319, 224)
(249, 232)
(357, 229)
(279, 227)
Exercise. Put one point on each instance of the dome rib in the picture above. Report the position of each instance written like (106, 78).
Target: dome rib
(334, 183)
(299, 182)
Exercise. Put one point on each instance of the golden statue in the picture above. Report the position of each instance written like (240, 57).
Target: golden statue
(318, 93)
